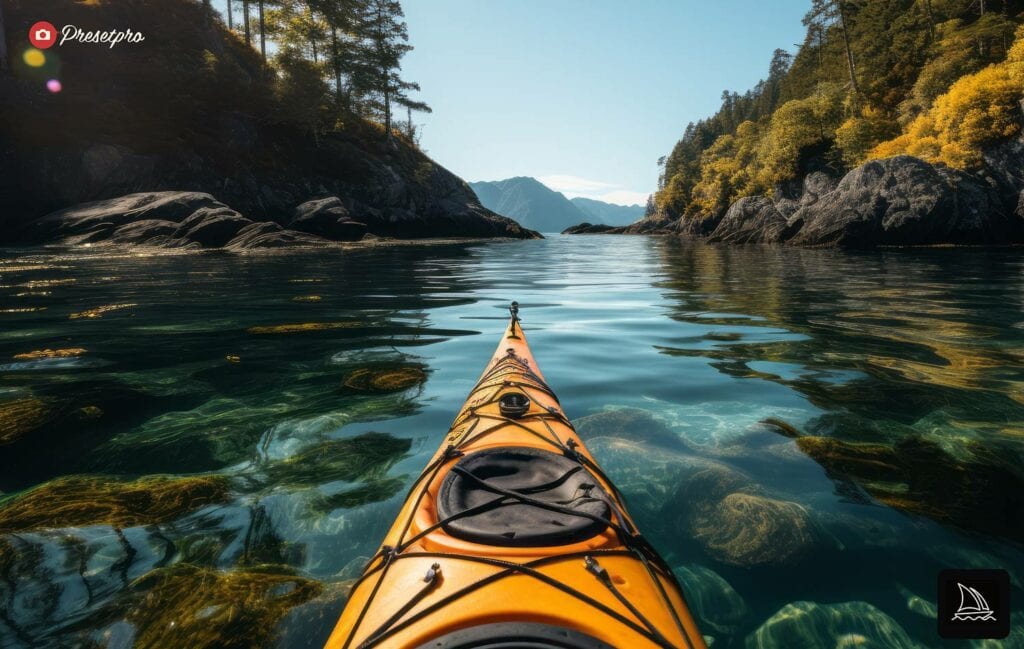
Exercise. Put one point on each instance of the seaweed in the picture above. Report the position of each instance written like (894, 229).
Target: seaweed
(77, 501)
(203, 608)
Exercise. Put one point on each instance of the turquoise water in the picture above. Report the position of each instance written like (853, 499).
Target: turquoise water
(690, 368)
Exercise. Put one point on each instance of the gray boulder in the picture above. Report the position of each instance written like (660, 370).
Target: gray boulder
(328, 218)
(165, 220)
(135, 218)
(900, 201)
(268, 235)
(753, 219)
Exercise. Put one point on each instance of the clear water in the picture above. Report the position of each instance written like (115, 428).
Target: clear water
(707, 342)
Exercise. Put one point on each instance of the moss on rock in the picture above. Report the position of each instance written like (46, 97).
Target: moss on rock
(384, 379)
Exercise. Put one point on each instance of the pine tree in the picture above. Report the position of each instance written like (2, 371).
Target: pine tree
(826, 13)
(387, 42)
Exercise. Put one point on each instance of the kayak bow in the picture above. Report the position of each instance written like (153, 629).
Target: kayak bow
(513, 537)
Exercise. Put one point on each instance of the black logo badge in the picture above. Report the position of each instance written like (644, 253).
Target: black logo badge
(974, 604)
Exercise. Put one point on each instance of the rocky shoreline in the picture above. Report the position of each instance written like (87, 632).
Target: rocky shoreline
(196, 220)
(898, 201)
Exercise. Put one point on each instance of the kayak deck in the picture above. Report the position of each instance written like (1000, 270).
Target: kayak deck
(513, 531)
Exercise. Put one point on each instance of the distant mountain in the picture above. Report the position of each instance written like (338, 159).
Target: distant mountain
(538, 207)
(530, 203)
(608, 213)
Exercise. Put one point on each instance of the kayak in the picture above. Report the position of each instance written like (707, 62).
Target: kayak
(513, 537)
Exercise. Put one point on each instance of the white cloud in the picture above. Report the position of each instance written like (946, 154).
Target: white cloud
(573, 186)
(623, 197)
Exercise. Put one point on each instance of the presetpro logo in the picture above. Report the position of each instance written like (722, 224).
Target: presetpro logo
(42, 35)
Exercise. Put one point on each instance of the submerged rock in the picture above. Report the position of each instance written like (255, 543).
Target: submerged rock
(915, 475)
(720, 509)
(78, 501)
(748, 530)
(712, 599)
(807, 625)
(385, 379)
(362, 458)
(370, 492)
(202, 608)
(633, 424)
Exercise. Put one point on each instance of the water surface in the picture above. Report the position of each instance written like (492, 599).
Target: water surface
(222, 477)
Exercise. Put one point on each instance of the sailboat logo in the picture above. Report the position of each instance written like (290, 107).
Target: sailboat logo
(973, 607)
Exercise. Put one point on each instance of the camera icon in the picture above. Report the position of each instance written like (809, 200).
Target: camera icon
(42, 35)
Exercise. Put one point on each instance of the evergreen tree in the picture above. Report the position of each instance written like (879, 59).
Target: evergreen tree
(387, 41)
(825, 14)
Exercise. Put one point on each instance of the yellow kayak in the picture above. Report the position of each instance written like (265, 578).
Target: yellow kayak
(513, 537)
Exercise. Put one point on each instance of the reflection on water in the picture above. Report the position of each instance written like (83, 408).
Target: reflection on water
(202, 450)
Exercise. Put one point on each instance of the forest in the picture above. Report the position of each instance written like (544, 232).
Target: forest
(335, 57)
(936, 79)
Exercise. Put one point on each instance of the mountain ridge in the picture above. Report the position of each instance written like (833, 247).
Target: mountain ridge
(536, 206)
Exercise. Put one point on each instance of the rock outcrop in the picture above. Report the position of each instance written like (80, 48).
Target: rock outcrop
(162, 219)
(753, 219)
(903, 201)
(898, 201)
(592, 228)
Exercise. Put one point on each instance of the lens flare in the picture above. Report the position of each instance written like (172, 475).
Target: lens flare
(34, 58)
(53, 85)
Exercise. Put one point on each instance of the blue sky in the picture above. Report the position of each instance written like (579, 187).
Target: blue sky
(584, 94)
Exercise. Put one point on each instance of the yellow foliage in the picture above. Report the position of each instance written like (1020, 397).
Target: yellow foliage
(795, 125)
(727, 169)
(858, 135)
(977, 109)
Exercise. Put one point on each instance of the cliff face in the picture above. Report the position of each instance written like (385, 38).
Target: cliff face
(900, 201)
(193, 109)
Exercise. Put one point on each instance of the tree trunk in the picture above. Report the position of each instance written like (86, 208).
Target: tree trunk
(245, 16)
(3, 42)
(849, 52)
(263, 33)
(387, 109)
(337, 64)
(231, 17)
(931, 20)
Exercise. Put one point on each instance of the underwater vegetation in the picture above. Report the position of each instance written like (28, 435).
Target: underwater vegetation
(917, 476)
(303, 327)
(201, 608)
(76, 501)
(70, 352)
(362, 458)
(21, 416)
(385, 379)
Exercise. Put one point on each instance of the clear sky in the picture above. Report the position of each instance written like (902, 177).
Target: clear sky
(585, 95)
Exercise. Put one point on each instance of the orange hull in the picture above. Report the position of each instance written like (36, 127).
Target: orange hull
(427, 582)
